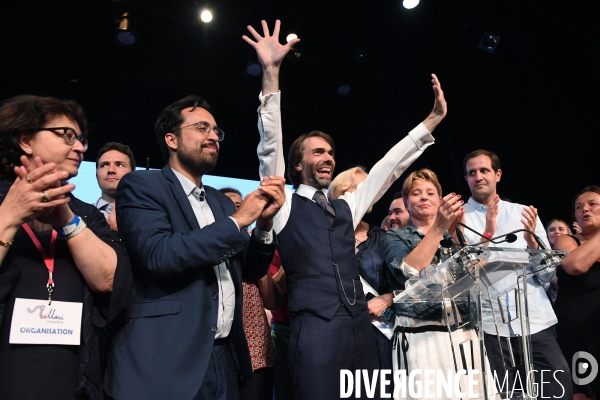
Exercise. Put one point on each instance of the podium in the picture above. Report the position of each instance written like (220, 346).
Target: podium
(481, 289)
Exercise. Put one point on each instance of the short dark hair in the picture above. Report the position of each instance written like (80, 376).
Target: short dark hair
(493, 157)
(121, 148)
(170, 120)
(231, 190)
(591, 188)
(22, 116)
(398, 195)
(295, 154)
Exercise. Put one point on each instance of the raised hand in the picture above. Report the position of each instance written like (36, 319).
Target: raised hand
(58, 215)
(26, 201)
(270, 52)
(272, 186)
(529, 222)
(440, 107)
(449, 210)
(251, 208)
(491, 226)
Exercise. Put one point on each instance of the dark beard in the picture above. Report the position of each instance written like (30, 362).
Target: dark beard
(310, 178)
(195, 161)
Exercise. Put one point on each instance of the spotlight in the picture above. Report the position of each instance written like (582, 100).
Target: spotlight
(253, 69)
(408, 4)
(290, 37)
(344, 89)
(124, 33)
(206, 16)
(489, 42)
(362, 55)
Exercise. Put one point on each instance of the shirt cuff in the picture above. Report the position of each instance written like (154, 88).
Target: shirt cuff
(262, 236)
(269, 103)
(408, 271)
(235, 222)
(421, 136)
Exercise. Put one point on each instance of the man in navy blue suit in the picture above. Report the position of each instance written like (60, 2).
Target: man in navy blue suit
(185, 339)
(330, 328)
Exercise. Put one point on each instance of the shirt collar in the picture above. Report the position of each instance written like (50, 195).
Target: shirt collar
(308, 191)
(477, 206)
(188, 185)
(100, 202)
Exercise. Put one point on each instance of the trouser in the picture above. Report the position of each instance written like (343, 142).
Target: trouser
(551, 371)
(320, 349)
(220, 381)
(282, 384)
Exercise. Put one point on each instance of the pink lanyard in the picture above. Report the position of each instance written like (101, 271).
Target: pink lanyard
(48, 259)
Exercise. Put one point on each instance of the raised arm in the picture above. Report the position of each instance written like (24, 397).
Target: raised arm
(398, 159)
(270, 54)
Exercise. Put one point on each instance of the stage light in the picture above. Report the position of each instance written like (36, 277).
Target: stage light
(408, 4)
(206, 16)
(290, 37)
(124, 33)
(489, 42)
(253, 69)
(344, 89)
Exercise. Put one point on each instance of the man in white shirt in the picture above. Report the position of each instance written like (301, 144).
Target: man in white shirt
(189, 252)
(492, 217)
(330, 328)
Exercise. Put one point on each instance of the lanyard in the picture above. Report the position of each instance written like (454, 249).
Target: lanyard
(48, 258)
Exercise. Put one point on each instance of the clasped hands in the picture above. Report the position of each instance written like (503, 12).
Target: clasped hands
(262, 204)
(37, 194)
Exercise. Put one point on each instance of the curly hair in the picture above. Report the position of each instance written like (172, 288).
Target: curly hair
(20, 118)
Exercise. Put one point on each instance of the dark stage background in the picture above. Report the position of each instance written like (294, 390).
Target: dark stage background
(533, 101)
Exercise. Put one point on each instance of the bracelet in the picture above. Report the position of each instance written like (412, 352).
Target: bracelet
(487, 235)
(73, 228)
(6, 243)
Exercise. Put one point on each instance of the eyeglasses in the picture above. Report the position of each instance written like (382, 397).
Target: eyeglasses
(68, 134)
(205, 129)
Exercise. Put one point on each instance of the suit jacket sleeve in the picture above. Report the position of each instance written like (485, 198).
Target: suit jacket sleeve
(166, 245)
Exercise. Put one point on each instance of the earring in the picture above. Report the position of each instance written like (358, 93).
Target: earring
(28, 151)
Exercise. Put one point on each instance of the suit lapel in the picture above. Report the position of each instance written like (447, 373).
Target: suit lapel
(215, 205)
(181, 198)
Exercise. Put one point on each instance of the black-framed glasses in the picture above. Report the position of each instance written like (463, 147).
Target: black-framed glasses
(205, 129)
(68, 134)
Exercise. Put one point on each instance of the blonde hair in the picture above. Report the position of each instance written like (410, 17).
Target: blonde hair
(343, 181)
(424, 174)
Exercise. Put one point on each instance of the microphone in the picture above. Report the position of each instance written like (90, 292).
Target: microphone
(508, 237)
(511, 237)
(446, 243)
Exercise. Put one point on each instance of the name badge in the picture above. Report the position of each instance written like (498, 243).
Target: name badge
(36, 322)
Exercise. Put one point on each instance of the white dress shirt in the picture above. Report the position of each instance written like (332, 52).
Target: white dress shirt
(380, 178)
(101, 203)
(541, 314)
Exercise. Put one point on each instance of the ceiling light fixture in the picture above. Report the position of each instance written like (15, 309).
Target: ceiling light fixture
(410, 4)
(206, 16)
(124, 33)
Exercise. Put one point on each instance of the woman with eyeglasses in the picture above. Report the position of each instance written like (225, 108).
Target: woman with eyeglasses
(64, 275)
